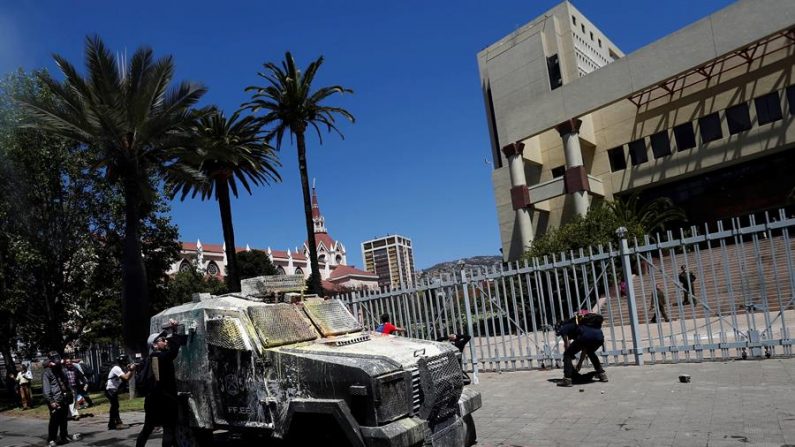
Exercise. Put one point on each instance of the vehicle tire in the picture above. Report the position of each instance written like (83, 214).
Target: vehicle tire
(310, 429)
(187, 436)
(470, 435)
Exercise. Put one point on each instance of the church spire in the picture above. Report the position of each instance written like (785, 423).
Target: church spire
(317, 218)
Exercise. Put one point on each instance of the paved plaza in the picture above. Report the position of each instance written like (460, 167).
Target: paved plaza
(736, 403)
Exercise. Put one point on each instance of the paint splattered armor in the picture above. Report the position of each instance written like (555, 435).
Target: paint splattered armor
(309, 370)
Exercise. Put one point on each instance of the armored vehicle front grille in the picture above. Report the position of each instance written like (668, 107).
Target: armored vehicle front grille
(331, 317)
(441, 383)
(280, 324)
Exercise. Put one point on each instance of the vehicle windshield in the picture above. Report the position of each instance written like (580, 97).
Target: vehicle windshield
(331, 317)
(281, 324)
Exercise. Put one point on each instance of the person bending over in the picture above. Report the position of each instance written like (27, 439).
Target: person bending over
(580, 337)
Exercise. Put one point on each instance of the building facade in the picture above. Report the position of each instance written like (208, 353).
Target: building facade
(391, 258)
(335, 272)
(702, 116)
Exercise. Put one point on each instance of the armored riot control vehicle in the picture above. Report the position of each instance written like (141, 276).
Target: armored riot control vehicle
(308, 371)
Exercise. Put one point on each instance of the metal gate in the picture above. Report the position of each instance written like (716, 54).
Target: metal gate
(706, 294)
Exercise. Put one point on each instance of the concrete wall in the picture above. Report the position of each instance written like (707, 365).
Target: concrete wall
(722, 32)
(526, 110)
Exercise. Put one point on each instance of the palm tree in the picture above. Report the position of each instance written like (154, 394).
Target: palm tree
(290, 106)
(651, 216)
(127, 114)
(221, 153)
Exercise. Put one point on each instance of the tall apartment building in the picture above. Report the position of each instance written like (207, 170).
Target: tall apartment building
(391, 258)
(702, 116)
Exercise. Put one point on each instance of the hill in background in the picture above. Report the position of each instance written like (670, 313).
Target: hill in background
(448, 268)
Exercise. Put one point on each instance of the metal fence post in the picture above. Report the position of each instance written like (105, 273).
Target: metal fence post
(626, 263)
(473, 357)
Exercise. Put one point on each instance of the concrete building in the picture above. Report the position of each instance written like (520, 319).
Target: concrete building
(702, 116)
(391, 258)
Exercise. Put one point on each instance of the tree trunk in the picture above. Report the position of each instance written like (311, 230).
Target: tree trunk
(314, 278)
(232, 276)
(134, 295)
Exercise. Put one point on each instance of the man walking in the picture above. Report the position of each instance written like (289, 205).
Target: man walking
(161, 404)
(55, 388)
(658, 304)
(76, 382)
(687, 279)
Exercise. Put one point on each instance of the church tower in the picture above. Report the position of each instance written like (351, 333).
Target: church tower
(330, 253)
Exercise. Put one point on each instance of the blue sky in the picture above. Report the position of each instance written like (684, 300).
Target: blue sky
(412, 164)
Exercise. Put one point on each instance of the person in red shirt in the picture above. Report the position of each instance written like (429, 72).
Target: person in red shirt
(386, 327)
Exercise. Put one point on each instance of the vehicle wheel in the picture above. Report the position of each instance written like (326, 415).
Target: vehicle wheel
(470, 435)
(308, 429)
(187, 436)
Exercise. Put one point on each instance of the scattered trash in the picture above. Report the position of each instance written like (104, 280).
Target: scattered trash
(684, 378)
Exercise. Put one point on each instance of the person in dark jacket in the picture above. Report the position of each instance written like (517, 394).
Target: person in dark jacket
(58, 395)
(161, 405)
(579, 337)
(458, 340)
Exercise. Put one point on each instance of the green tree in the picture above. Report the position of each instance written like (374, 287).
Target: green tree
(129, 115)
(181, 287)
(220, 154)
(290, 105)
(49, 200)
(598, 226)
(651, 216)
(255, 263)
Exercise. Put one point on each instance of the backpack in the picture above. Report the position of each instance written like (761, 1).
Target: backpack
(145, 378)
(592, 320)
(380, 328)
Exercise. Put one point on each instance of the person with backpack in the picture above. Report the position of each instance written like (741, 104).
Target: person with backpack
(386, 327)
(158, 382)
(115, 378)
(581, 333)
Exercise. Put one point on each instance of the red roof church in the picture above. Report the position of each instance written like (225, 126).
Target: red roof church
(335, 272)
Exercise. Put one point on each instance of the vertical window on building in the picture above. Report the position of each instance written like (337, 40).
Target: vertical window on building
(558, 171)
(660, 144)
(553, 68)
(583, 28)
(709, 128)
(591, 35)
(618, 161)
(738, 119)
(573, 20)
(685, 137)
(791, 99)
(637, 152)
(768, 108)
(600, 43)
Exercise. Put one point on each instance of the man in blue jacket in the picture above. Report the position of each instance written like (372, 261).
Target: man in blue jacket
(580, 337)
